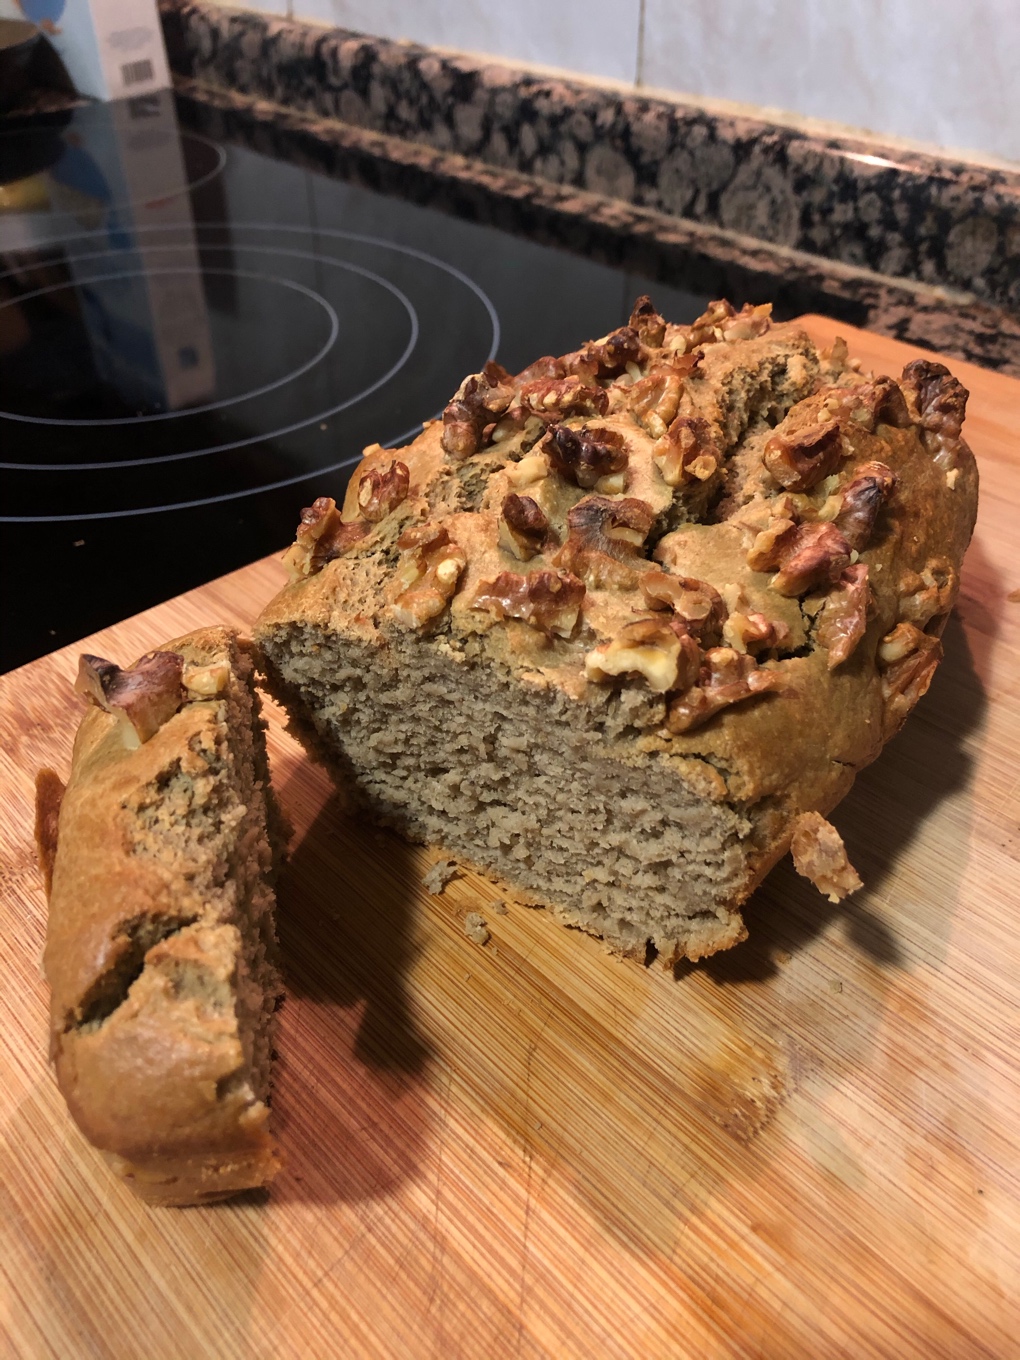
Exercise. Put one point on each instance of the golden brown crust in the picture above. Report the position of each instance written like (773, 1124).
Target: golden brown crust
(828, 510)
(143, 970)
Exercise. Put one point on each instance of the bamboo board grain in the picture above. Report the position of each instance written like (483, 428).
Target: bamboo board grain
(806, 1147)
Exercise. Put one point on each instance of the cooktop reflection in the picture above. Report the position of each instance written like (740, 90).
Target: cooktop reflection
(196, 341)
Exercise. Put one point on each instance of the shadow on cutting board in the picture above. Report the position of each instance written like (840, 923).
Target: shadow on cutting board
(349, 1092)
(892, 804)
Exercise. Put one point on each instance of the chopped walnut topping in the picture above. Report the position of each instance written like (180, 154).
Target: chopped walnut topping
(750, 631)
(144, 696)
(556, 398)
(480, 401)
(523, 526)
(534, 468)
(654, 400)
(612, 354)
(820, 855)
(861, 501)
(844, 616)
(518, 421)
(748, 323)
(941, 404)
(834, 357)
(926, 595)
(604, 536)
(721, 321)
(686, 451)
(546, 367)
(801, 459)
(747, 630)
(547, 600)
(726, 677)
(647, 322)
(586, 455)
(427, 577)
(868, 404)
(322, 536)
(707, 329)
(907, 658)
(807, 555)
(765, 551)
(697, 603)
(206, 682)
(660, 651)
(882, 403)
(379, 493)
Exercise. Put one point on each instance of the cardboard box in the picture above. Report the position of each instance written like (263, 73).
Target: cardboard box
(112, 49)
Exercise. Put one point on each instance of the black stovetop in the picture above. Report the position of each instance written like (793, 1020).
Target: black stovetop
(197, 340)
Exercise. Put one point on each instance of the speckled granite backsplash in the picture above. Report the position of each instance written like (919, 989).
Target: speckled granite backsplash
(770, 200)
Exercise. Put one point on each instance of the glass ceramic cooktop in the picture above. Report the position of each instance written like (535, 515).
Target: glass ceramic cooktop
(197, 340)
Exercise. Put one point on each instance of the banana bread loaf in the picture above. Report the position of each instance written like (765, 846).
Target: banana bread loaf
(620, 628)
(160, 939)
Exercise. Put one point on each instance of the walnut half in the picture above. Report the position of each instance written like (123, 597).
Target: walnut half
(549, 601)
(807, 555)
(380, 492)
(660, 651)
(687, 451)
(801, 459)
(697, 603)
(480, 401)
(861, 501)
(844, 616)
(907, 658)
(941, 404)
(144, 696)
(726, 677)
(523, 526)
(604, 536)
(322, 536)
(654, 400)
(586, 455)
(427, 578)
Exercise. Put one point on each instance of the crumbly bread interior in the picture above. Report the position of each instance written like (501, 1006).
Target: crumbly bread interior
(208, 820)
(521, 782)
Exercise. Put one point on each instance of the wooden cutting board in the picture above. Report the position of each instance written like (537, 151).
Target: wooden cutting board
(805, 1147)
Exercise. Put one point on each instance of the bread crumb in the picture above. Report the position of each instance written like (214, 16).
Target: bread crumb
(499, 907)
(441, 873)
(819, 855)
(782, 956)
(1014, 597)
(475, 928)
(835, 985)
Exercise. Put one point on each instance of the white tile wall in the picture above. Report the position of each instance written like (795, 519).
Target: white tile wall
(598, 37)
(936, 71)
(942, 72)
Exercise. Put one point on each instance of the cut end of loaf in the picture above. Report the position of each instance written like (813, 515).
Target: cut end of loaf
(520, 782)
(161, 943)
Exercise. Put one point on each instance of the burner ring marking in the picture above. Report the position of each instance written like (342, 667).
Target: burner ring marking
(334, 331)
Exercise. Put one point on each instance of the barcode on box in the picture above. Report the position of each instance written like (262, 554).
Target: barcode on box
(134, 72)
